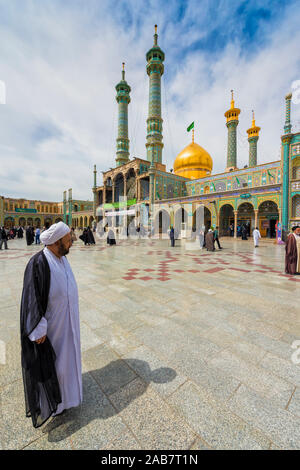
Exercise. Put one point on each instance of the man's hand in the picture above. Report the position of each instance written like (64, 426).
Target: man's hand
(41, 340)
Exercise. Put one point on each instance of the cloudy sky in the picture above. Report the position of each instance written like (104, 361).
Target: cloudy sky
(61, 59)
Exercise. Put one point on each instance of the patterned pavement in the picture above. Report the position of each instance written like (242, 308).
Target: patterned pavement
(181, 349)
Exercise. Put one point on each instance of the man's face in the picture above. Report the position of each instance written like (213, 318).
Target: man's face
(64, 244)
(297, 231)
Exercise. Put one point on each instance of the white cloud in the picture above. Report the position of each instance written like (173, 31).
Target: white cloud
(61, 64)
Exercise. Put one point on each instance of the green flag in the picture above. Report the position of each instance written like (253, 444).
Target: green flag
(270, 174)
(238, 181)
(191, 126)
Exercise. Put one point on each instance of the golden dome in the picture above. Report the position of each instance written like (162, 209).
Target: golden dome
(193, 162)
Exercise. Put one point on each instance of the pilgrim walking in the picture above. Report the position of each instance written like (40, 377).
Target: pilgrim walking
(216, 237)
(50, 334)
(172, 236)
(292, 252)
(29, 235)
(3, 238)
(256, 237)
(90, 236)
(244, 232)
(111, 237)
(201, 239)
(210, 241)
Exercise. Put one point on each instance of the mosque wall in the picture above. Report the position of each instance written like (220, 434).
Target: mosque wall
(15, 212)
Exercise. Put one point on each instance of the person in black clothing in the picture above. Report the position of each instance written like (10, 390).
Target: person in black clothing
(111, 237)
(90, 237)
(29, 235)
(3, 238)
(244, 232)
(172, 236)
(20, 232)
(84, 237)
(216, 237)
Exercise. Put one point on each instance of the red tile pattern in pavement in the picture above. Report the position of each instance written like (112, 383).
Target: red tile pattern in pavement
(164, 269)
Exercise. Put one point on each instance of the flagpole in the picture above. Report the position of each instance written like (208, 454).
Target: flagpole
(193, 130)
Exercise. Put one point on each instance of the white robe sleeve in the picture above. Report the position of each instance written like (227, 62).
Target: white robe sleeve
(39, 331)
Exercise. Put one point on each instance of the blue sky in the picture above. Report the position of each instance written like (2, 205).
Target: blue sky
(60, 61)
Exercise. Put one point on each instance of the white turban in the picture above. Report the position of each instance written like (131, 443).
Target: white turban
(55, 232)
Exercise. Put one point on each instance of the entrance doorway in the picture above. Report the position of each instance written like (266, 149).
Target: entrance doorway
(226, 219)
(268, 216)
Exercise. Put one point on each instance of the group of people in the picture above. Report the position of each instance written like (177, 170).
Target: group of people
(242, 230)
(87, 236)
(207, 238)
(50, 329)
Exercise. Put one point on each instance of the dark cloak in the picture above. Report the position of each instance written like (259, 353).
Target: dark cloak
(20, 233)
(41, 387)
(29, 236)
(172, 236)
(244, 233)
(291, 255)
(90, 237)
(209, 241)
(83, 236)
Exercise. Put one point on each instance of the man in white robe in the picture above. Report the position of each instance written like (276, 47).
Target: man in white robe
(61, 320)
(256, 237)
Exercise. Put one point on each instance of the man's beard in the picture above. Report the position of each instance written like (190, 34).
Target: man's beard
(63, 250)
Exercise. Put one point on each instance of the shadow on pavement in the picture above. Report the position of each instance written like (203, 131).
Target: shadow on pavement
(113, 381)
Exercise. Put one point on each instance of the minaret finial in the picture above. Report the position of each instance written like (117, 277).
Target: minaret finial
(155, 35)
(232, 100)
(253, 119)
(123, 70)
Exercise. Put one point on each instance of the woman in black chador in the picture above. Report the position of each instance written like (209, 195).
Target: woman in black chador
(111, 237)
(244, 233)
(29, 235)
(90, 237)
(83, 236)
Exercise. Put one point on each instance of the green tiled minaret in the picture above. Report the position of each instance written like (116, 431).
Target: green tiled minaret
(155, 68)
(286, 141)
(232, 120)
(123, 99)
(253, 136)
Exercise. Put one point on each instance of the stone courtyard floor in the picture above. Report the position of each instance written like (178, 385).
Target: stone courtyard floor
(181, 349)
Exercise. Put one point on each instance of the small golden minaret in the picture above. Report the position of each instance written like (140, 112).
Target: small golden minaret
(253, 136)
